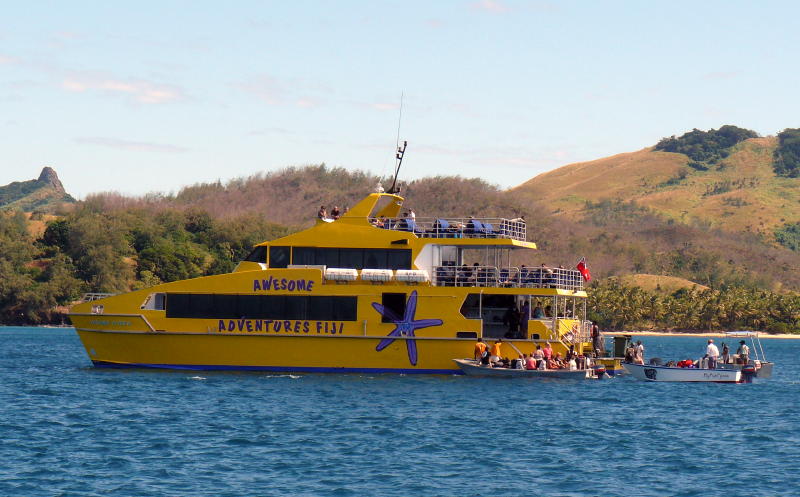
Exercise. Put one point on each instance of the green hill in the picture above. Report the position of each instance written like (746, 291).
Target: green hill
(734, 188)
(45, 194)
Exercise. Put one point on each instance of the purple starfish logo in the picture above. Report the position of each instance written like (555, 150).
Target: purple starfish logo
(405, 327)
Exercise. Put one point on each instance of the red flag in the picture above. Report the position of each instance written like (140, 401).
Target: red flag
(584, 269)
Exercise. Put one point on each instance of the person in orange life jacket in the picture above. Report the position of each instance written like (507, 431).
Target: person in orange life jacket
(497, 350)
(480, 349)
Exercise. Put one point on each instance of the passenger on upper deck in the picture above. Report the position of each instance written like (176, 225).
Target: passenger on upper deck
(322, 214)
(335, 214)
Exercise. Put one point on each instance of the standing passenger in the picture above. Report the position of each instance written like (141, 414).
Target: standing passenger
(712, 352)
(744, 352)
(524, 318)
(726, 353)
(638, 356)
(480, 349)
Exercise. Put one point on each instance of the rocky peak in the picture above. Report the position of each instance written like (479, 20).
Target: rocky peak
(50, 177)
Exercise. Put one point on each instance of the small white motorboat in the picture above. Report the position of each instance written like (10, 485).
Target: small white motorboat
(757, 357)
(471, 367)
(669, 373)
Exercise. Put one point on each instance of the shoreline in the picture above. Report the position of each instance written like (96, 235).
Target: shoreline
(710, 334)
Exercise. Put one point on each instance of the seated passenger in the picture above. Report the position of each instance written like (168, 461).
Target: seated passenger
(521, 361)
(538, 313)
(530, 363)
(322, 214)
(497, 350)
(335, 214)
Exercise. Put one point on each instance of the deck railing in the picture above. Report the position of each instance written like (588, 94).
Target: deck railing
(494, 227)
(508, 277)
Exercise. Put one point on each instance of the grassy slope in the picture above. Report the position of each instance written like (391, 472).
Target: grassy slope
(755, 201)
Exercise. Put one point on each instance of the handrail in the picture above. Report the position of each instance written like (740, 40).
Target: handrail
(507, 277)
(90, 297)
(456, 227)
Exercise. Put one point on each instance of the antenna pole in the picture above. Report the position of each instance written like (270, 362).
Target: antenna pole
(400, 151)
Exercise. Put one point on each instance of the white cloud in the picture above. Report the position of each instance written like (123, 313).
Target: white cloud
(141, 91)
(490, 6)
(121, 144)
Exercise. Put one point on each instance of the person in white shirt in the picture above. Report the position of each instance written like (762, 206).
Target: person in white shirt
(713, 353)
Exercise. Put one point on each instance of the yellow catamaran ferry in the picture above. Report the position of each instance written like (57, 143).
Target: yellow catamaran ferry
(370, 292)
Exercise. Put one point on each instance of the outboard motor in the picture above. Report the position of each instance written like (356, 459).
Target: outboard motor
(748, 373)
(600, 372)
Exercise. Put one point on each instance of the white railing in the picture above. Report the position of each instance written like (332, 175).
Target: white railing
(90, 297)
(508, 277)
(495, 227)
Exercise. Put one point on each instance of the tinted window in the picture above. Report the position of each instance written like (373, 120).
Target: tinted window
(303, 256)
(351, 258)
(259, 254)
(278, 257)
(399, 259)
(218, 306)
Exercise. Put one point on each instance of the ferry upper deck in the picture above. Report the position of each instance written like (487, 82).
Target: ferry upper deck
(374, 243)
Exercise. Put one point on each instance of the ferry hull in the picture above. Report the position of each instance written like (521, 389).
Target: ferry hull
(270, 353)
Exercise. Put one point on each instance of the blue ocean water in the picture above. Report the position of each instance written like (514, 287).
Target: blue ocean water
(68, 429)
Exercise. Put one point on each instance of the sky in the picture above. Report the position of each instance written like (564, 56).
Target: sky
(150, 96)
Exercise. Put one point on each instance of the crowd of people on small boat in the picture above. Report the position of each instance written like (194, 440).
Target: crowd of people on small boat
(634, 354)
(713, 357)
(543, 358)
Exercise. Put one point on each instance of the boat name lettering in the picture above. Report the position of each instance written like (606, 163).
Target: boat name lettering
(283, 284)
(104, 322)
(288, 326)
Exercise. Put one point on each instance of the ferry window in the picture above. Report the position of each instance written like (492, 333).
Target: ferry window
(278, 257)
(303, 256)
(154, 302)
(399, 259)
(375, 259)
(294, 308)
(320, 308)
(395, 303)
(328, 257)
(259, 254)
(351, 258)
(211, 306)
(345, 311)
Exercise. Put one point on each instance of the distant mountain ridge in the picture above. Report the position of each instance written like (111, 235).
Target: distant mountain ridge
(44, 194)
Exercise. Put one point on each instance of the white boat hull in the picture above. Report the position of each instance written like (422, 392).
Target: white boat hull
(473, 368)
(763, 369)
(663, 373)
